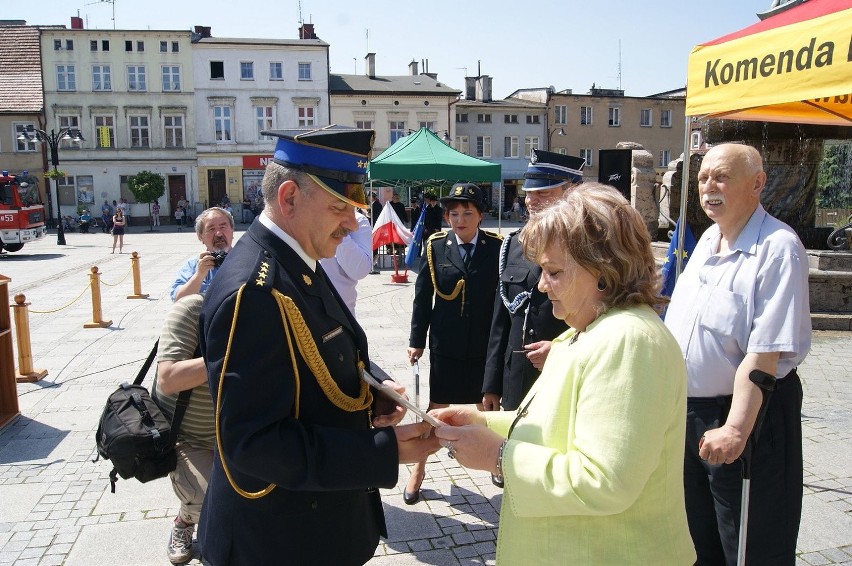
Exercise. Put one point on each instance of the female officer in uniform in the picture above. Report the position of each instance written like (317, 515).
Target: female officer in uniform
(453, 301)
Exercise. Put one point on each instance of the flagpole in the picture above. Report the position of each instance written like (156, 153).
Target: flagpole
(684, 191)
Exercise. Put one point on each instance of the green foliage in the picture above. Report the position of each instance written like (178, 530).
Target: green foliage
(147, 186)
(834, 184)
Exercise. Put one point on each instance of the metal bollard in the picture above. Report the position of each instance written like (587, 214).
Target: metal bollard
(97, 321)
(137, 279)
(25, 372)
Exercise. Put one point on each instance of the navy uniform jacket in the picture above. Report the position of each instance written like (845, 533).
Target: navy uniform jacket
(456, 331)
(432, 222)
(325, 462)
(507, 374)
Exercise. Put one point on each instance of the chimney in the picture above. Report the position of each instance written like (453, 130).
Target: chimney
(412, 68)
(203, 31)
(371, 65)
(483, 88)
(76, 22)
(470, 88)
(306, 31)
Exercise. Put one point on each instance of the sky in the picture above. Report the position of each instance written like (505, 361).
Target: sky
(561, 43)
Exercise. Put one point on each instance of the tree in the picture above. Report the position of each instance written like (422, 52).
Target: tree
(147, 187)
(834, 184)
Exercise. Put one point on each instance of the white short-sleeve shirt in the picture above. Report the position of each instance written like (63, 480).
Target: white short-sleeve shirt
(753, 299)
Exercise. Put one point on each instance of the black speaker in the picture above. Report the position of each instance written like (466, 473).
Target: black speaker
(614, 167)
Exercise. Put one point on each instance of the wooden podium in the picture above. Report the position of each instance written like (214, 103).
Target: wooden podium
(9, 410)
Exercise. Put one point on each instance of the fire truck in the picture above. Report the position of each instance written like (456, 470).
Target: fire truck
(21, 218)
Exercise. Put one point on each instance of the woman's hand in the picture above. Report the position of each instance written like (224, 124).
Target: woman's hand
(537, 353)
(459, 415)
(414, 355)
(473, 446)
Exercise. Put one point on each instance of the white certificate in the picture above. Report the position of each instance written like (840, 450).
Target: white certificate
(390, 392)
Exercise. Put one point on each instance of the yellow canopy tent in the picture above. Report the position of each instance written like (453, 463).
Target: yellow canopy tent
(795, 66)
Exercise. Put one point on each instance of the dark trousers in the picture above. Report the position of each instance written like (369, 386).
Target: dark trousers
(713, 492)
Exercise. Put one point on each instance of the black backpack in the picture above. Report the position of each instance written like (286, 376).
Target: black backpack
(135, 435)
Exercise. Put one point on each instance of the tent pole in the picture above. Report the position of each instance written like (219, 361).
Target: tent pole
(684, 190)
(500, 208)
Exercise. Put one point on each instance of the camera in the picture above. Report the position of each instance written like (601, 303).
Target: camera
(218, 257)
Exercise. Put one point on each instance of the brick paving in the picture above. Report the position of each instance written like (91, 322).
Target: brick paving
(55, 504)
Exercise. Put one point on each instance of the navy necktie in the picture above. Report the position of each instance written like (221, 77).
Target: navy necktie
(468, 253)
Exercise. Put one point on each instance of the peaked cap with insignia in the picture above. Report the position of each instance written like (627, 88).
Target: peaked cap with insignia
(335, 157)
(548, 169)
(465, 192)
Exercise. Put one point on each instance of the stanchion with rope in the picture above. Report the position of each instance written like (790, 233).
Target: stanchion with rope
(137, 278)
(26, 373)
(95, 284)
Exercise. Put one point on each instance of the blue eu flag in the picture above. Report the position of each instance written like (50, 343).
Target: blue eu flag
(670, 267)
(413, 253)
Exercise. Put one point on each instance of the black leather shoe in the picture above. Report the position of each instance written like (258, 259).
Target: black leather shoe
(411, 498)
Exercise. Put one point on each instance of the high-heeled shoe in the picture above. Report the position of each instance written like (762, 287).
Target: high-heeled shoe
(412, 497)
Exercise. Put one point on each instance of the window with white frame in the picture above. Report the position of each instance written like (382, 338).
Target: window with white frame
(614, 116)
(510, 147)
(364, 124)
(222, 123)
(136, 78)
(246, 70)
(665, 157)
(164, 47)
(533, 119)
(140, 132)
(58, 46)
(276, 71)
(173, 131)
(560, 114)
(397, 130)
(530, 143)
(665, 118)
(69, 122)
(66, 78)
(306, 116)
(23, 145)
(461, 118)
(101, 78)
(646, 119)
(695, 140)
(586, 153)
(140, 46)
(586, 115)
(171, 78)
(304, 71)
(265, 120)
(483, 145)
(510, 119)
(463, 144)
(561, 151)
(428, 125)
(104, 131)
(483, 118)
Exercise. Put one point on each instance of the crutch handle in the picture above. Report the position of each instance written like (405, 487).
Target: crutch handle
(766, 383)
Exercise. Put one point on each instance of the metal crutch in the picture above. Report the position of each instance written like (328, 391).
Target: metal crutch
(766, 383)
(415, 369)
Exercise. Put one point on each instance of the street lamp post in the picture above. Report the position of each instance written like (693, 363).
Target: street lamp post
(558, 131)
(52, 139)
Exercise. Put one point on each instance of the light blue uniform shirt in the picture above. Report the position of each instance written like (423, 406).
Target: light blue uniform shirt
(753, 299)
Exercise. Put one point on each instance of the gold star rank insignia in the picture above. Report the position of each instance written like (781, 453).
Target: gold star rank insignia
(307, 280)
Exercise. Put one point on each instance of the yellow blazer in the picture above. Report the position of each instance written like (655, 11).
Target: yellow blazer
(594, 471)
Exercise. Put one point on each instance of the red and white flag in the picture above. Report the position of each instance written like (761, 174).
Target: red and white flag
(389, 229)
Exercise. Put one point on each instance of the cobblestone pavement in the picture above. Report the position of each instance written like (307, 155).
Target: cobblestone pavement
(55, 503)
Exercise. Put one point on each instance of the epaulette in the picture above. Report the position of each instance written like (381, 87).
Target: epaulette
(494, 235)
(263, 274)
(436, 235)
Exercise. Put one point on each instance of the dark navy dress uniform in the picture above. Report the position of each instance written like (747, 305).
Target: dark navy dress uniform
(508, 372)
(458, 327)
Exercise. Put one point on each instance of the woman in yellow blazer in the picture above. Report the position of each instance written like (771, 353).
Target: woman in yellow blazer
(592, 460)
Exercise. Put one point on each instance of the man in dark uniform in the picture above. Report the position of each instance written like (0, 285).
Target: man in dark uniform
(523, 324)
(434, 216)
(298, 460)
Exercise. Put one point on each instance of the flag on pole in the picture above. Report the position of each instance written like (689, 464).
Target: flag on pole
(414, 249)
(389, 229)
(670, 267)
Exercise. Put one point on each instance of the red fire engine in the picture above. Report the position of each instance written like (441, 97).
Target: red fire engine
(21, 219)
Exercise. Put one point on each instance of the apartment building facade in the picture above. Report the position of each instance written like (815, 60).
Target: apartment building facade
(243, 87)
(130, 93)
(393, 105)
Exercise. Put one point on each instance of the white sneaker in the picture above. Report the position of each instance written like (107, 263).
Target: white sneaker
(180, 543)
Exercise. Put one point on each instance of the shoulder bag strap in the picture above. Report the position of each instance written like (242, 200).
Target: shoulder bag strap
(140, 377)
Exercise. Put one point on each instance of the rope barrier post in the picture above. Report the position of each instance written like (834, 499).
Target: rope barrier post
(137, 279)
(95, 281)
(26, 373)
(9, 409)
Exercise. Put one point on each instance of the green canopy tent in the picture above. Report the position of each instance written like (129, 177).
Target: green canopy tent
(422, 159)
